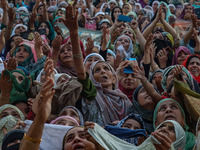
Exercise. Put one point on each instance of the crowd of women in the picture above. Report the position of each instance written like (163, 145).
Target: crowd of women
(138, 88)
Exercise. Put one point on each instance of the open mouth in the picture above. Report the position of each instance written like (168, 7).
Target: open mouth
(78, 147)
(104, 78)
(170, 117)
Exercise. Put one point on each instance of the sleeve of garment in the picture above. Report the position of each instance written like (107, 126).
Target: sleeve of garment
(3, 26)
(103, 54)
(89, 91)
(146, 69)
(187, 45)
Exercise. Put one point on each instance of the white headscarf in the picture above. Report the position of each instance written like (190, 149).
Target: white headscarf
(13, 32)
(101, 9)
(22, 8)
(93, 54)
(40, 74)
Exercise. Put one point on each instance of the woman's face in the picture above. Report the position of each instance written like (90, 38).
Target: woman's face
(130, 34)
(9, 111)
(182, 57)
(188, 9)
(126, 9)
(76, 139)
(40, 10)
(128, 81)
(53, 2)
(89, 62)
(167, 129)
(19, 30)
(22, 54)
(144, 100)
(117, 12)
(170, 76)
(62, 79)
(60, 13)
(169, 110)
(72, 113)
(194, 66)
(123, 41)
(45, 27)
(19, 77)
(66, 54)
(110, 59)
(155, 7)
(112, 5)
(104, 7)
(66, 122)
(103, 74)
(131, 124)
(59, 20)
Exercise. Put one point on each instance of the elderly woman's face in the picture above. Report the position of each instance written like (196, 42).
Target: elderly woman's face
(72, 113)
(124, 41)
(89, 62)
(19, 30)
(19, 77)
(144, 100)
(75, 139)
(66, 54)
(131, 124)
(130, 34)
(169, 110)
(103, 74)
(194, 66)
(62, 79)
(22, 54)
(9, 111)
(167, 129)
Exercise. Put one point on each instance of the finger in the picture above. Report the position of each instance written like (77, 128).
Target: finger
(4, 131)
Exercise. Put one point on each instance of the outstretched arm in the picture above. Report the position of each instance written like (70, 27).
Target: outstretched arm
(71, 22)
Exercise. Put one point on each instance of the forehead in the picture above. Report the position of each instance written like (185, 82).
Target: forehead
(17, 74)
(123, 38)
(167, 103)
(101, 64)
(195, 59)
(8, 110)
(75, 130)
(70, 109)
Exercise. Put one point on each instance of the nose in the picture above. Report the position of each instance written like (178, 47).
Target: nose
(77, 139)
(129, 76)
(168, 110)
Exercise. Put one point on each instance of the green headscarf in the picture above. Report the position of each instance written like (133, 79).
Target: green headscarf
(165, 75)
(62, 9)
(29, 59)
(18, 90)
(190, 138)
(131, 13)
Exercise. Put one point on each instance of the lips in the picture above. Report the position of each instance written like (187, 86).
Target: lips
(78, 147)
(104, 78)
(170, 117)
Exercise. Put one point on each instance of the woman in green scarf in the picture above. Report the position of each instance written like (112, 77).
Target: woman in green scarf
(169, 109)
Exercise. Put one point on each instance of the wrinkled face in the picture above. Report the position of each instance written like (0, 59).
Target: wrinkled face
(169, 110)
(144, 100)
(22, 54)
(75, 139)
(72, 113)
(112, 5)
(126, 9)
(60, 13)
(66, 122)
(24, 108)
(194, 66)
(123, 41)
(170, 76)
(182, 57)
(62, 79)
(9, 111)
(53, 2)
(66, 54)
(129, 82)
(19, 77)
(167, 129)
(45, 27)
(131, 124)
(19, 30)
(89, 62)
(117, 12)
(103, 74)
(110, 59)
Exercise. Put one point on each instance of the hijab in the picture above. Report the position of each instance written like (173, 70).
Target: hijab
(178, 50)
(18, 25)
(190, 138)
(168, 13)
(183, 12)
(78, 111)
(65, 117)
(129, 52)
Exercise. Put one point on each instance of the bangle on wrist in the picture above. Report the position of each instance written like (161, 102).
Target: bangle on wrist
(77, 55)
(5, 98)
(26, 137)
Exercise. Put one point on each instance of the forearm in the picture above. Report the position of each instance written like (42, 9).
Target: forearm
(4, 98)
(8, 31)
(78, 61)
(150, 90)
(149, 29)
(45, 14)
(188, 35)
(34, 132)
(141, 39)
(5, 17)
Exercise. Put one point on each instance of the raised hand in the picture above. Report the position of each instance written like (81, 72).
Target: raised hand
(38, 45)
(106, 35)
(148, 43)
(121, 67)
(89, 46)
(194, 20)
(48, 68)
(2, 39)
(71, 18)
(133, 24)
(11, 14)
(177, 72)
(139, 74)
(11, 64)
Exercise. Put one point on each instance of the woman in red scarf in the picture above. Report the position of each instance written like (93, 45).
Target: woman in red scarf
(192, 63)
